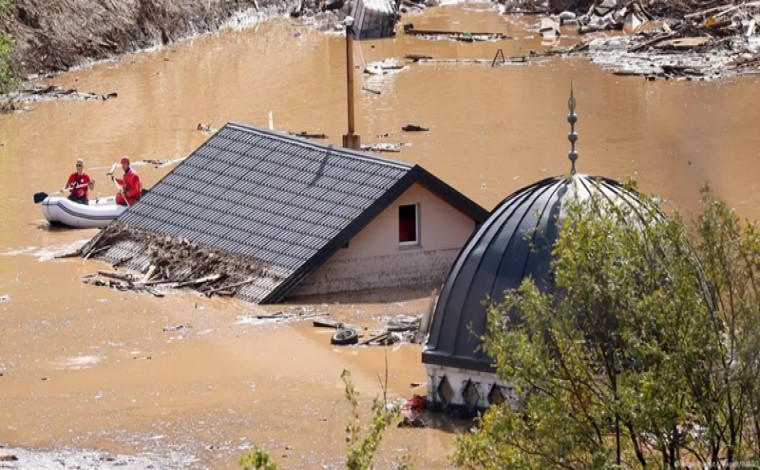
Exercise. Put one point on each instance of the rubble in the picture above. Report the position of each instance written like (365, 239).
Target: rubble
(158, 263)
(673, 39)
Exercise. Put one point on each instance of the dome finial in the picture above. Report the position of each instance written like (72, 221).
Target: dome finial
(572, 137)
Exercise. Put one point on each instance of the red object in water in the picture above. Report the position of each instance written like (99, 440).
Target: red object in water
(416, 403)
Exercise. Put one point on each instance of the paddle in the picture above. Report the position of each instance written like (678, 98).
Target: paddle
(121, 190)
(41, 196)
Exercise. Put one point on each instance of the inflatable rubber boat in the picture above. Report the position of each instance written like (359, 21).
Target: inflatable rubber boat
(97, 214)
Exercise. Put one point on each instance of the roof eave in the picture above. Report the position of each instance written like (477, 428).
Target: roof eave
(456, 199)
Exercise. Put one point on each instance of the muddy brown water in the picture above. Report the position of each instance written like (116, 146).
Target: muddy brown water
(86, 368)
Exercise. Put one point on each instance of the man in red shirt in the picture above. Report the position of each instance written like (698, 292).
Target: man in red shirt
(131, 188)
(78, 184)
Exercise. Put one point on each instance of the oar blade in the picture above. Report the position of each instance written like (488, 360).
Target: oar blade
(39, 197)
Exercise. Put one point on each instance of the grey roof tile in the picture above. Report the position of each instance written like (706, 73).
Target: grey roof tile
(272, 198)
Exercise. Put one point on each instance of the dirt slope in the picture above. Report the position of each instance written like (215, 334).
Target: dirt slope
(55, 35)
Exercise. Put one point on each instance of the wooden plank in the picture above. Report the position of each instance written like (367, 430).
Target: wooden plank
(684, 43)
(122, 277)
(326, 324)
(200, 280)
(230, 286)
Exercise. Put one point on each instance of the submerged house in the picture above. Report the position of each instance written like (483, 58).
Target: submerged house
(514, 243)
(312, 218)
(374, 19)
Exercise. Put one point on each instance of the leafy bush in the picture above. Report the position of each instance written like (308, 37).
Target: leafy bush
(258, 459)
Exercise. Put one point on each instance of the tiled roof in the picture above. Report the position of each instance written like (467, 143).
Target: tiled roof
(277, 199)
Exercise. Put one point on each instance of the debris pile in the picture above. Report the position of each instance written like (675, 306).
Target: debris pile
(674, 39)
(398, 329)
(160, 262)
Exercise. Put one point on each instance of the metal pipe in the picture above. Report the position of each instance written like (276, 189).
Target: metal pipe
(350, 140)
(350, 76)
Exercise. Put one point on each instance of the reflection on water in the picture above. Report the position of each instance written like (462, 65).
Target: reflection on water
(492, 131)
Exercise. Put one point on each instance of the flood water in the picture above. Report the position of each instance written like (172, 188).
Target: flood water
(93, 369)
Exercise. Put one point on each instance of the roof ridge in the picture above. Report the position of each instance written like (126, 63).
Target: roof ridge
(341, 151)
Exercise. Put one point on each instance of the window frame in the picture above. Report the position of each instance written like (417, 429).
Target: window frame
(417, 232)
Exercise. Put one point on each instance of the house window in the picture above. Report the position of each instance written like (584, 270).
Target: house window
(408, 224)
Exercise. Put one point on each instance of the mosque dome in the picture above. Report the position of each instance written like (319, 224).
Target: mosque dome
(515, 242)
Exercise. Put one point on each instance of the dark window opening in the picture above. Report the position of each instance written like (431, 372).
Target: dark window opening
(407, 224)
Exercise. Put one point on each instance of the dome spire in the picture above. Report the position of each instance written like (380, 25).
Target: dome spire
(572, 137)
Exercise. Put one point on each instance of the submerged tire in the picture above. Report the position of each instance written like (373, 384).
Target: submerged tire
(345, 336)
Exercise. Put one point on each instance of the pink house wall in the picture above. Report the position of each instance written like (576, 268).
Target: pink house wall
(374, 259)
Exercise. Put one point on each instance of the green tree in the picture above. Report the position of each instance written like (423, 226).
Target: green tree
(361, 452)
(8, 79)
(641, 356)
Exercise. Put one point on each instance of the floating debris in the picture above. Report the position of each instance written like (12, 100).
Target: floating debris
(417, 57)
(206, 128)
(466, 36)
(159, 163)
(180, 327)
(309, 135)
(500, 59)
(11, 107)
(400, 329)
(54, 92)
(414, 128)
(384, 67)
(344, 337)
(285, 316)
(684, 40)
(15, 457)
(385, 147)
